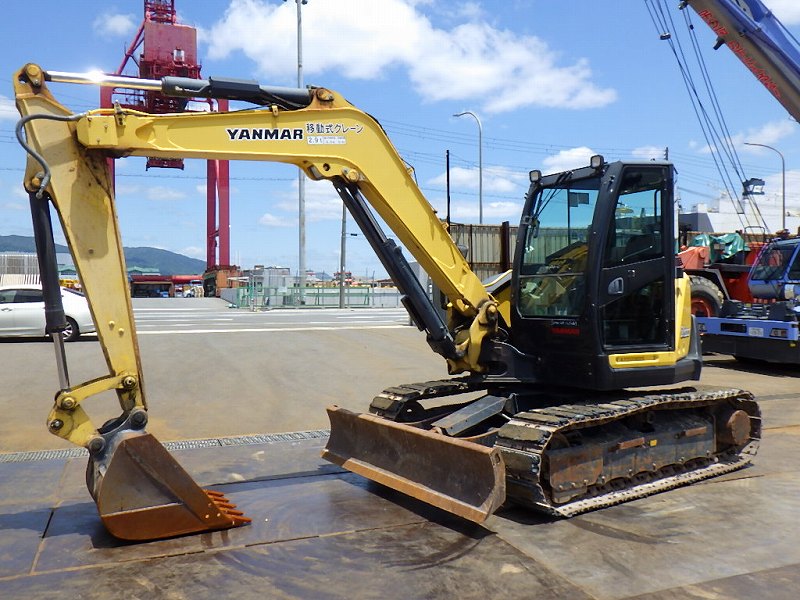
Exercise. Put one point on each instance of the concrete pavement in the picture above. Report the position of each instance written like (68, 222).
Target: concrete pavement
(319, 532)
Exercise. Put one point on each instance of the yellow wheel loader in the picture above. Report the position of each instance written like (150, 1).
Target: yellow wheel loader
(594, 305)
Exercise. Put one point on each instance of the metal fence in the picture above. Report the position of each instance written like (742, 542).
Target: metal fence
(489, 249)
(18, 268)
(256, 298)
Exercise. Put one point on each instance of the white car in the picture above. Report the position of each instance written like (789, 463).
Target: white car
(22, 312)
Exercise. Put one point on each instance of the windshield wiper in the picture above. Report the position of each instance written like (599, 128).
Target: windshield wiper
(542, 201)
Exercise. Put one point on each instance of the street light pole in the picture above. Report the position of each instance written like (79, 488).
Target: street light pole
(480, 161)
(301, 181)
(342, 262)
(783, 180)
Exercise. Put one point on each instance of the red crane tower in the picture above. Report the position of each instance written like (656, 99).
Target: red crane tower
(170, 48)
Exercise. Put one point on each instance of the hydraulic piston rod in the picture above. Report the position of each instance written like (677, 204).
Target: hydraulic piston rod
(186, 87)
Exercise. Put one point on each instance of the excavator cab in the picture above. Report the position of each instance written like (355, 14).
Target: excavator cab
(594, 285)
(597, 304)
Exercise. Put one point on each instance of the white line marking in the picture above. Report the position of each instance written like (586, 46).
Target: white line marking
(359, 317)
(266, 329)
(161, 319)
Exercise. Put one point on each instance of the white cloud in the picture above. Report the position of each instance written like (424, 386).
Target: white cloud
(567, 159)
(14, 206)
(155, 192)
(476, 60)
(127, 164)
(158, 192)
(769, 133)
(109, 25)
(471, 60)
(8, 112)
(321, 201)
(648, 152)
(788, 11)
(126, 189)
(498, 180)
(492, 211)
(470, 10)
(19, 191)
(271, 220)
(193, 251)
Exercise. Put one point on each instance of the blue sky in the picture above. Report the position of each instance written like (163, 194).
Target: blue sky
(553, 83)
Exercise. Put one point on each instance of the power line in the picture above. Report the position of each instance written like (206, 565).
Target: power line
(717, 135)
(193, 177)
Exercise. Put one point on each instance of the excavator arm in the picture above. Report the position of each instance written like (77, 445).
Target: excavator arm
(79, 187)
(141, 492)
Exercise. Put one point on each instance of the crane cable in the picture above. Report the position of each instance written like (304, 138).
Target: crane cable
(664, 24)
(662, 19)
(726, 139)
(718, 144)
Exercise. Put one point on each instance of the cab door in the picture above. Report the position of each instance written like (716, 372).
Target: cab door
(636, 295)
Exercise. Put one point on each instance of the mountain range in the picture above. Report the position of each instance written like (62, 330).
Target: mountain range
(166, 262)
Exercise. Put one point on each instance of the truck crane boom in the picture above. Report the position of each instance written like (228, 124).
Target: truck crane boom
(757, 38)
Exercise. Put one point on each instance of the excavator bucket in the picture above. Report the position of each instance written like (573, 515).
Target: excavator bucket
(142, 493)
(462, 477)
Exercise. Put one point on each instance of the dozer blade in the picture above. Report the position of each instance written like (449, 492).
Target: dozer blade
(464, 478)
(142, 493)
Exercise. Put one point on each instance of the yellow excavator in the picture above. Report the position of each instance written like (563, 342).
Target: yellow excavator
(595, 305)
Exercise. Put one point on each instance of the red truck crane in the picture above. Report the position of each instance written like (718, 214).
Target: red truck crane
(771, 274)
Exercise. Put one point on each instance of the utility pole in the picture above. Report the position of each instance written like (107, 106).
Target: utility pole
(447, 170)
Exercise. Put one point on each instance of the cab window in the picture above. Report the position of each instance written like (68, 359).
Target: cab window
(635, 233)
(553, 270)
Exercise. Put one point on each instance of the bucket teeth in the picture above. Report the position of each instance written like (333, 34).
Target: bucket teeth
(227, 508)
